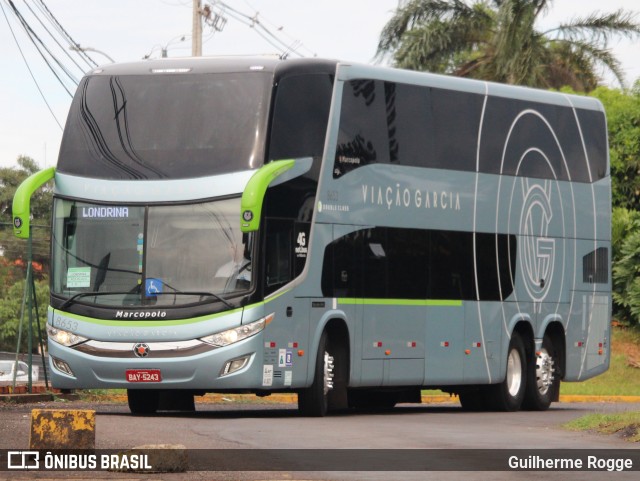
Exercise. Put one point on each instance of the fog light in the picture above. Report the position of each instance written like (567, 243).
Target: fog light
(235, 365)
(62, 366)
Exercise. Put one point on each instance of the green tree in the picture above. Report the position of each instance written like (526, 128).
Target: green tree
(498, 40)
(626, 265)
(11, 311)
(13, 249)
(623, 122)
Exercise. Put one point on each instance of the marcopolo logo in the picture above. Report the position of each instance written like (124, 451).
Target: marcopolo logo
(141, 314)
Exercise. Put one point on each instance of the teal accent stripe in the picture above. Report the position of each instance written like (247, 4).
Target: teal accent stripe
(134, 322)
(129, 322)
(400, 302)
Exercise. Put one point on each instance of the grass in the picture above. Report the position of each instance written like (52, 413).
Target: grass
(622, 379)
(625, 425)
(101, 395)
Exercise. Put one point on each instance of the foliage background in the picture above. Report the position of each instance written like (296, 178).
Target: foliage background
(623, 124)
(13, 261)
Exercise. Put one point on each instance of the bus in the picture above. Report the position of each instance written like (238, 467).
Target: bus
(352, 234)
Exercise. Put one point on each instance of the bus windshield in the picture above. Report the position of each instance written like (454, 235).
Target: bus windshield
(166, 125)
(160, 255)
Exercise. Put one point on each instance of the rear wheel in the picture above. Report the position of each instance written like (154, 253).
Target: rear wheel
(543, 380)
(509, 394)
(143, 401)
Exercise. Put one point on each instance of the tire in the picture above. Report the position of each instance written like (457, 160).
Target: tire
(314, 400)
(543, 379)
(509, 394)
(143, 401)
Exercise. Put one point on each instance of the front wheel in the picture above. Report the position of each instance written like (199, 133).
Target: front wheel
(508, 395)
(543, 380)
(314, 400)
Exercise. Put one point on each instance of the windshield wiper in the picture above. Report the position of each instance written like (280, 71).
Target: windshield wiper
(194, 293)
(73, 298)
(175, 292)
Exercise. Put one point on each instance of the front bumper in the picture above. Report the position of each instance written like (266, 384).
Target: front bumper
(182, 365)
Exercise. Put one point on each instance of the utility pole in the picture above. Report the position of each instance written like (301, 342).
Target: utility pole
(196, 42)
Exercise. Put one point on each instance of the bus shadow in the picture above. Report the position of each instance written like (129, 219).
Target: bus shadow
(216, 411)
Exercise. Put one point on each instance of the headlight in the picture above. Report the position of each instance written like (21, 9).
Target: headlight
(225, 338)
(63, 337)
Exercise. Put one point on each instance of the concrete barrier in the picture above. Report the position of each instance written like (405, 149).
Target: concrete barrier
(63, 429)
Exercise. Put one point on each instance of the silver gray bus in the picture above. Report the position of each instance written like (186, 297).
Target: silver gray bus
(349, 233)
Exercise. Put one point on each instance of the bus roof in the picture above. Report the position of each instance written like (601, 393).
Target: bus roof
(214, 65)
(344, 71)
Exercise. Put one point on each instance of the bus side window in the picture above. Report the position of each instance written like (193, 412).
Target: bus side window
(279, 253)
(342, 269)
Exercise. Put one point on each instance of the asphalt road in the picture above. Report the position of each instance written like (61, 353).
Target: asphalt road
(278, 427)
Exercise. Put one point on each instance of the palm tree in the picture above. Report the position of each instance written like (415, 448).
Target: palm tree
(498, 40)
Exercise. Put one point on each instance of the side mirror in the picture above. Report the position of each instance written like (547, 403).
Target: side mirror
(22, 201)
(271, 174)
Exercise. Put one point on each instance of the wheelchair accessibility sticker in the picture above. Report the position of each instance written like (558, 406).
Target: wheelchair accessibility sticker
(153, 287)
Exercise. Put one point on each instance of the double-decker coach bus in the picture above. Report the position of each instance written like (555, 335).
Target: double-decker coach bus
(349, 233)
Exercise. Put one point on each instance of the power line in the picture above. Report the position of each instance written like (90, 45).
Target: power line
(54, 39)
(29, 68)
(280, 28)
(92, 63)
(35, 39)
(220, 9)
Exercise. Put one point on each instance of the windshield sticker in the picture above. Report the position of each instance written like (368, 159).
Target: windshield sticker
(108, 212)
(140, 249)
(153, 286)
(78, 277)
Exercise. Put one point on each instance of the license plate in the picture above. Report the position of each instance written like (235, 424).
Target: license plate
(143, 375)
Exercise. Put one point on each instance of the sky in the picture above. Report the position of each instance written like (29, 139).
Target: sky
(128, 30)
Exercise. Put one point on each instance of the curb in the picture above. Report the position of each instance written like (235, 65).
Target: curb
(23, 389)
(36, 397)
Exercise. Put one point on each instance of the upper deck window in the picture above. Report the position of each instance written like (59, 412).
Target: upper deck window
(166, 126)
